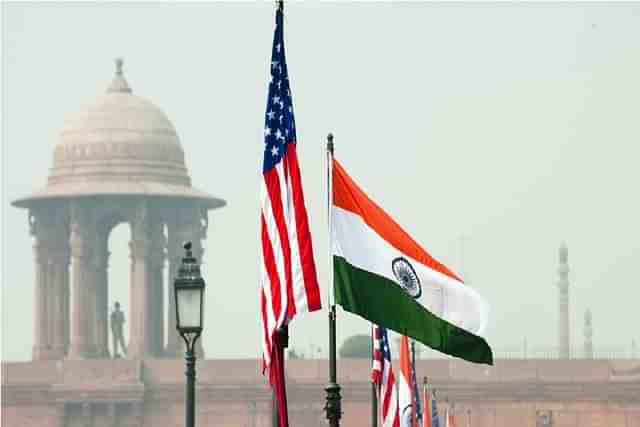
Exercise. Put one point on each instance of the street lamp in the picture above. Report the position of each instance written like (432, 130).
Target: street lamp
(189, 289)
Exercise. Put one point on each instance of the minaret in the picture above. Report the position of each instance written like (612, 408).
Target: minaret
(563, 303)
(588, 335)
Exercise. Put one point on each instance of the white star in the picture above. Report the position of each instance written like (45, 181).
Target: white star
(280, 69)
(278, 47)
(279, 83)
(271, 114)
(290, 109)
(276, 99)
(280, 118)
(281, 105)
(279, 134)
(274, 151)
(286, 132)
(267, 131)
(274, 64)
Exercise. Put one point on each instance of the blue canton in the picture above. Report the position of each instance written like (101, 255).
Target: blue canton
(384, 343)
(279, 127)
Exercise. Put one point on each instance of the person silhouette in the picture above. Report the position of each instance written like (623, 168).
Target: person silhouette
(117, 327)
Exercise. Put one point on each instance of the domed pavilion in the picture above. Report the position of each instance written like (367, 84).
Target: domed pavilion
(118, 161)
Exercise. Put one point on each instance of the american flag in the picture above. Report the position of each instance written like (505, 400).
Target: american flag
(288, 278)
(435, 418)
(382, 375)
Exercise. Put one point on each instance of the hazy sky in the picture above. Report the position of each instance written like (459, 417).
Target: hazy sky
(491, 132)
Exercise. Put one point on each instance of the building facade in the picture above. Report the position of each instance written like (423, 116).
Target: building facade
(150, 392)
(120, 161)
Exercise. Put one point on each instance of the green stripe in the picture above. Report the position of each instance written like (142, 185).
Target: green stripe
(383, 302)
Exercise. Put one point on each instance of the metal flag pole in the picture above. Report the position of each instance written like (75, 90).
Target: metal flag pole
(415, 391)
(332, 405)
(281, 342)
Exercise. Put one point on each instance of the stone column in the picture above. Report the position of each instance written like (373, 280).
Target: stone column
(174, 255)
(58, 306)
(38, 229)
(156, 309)
(66, 302)
(564, 339)
(140, 333)
(101, 297)
(198, 253)
(59, 288)
(81, 244)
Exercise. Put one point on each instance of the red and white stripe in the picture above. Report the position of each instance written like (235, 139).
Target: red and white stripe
(387, 393)
(377, 359)
(288, 278)
(449, 420)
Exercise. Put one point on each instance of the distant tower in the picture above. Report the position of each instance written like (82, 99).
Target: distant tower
(563, 303)
(588, 335)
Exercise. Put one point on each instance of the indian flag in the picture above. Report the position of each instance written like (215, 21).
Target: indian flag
(383, 275)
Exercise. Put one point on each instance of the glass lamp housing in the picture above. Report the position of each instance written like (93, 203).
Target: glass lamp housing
(189, 292)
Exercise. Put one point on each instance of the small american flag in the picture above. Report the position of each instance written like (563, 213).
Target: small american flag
(382, 375)
(288, 278)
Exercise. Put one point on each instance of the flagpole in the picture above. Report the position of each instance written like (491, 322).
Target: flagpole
(282, 334)
(415, 391)
(332, 405)
(281, 342)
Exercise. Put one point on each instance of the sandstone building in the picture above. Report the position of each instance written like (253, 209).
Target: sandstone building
(120, 161)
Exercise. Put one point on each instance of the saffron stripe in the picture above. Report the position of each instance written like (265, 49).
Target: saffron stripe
(348, 195)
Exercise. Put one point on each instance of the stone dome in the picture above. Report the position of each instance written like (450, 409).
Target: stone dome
(122, 144)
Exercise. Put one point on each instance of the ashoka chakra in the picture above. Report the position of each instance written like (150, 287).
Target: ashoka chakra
(407, 277)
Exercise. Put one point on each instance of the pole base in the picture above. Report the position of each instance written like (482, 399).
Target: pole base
(333, 407)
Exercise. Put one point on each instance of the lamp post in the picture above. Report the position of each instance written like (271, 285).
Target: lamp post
(189, 289)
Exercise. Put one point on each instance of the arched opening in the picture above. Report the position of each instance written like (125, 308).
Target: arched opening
(119, 278)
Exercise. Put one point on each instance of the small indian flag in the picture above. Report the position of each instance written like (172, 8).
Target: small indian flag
(383, 275)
